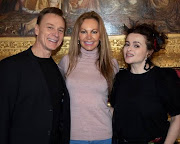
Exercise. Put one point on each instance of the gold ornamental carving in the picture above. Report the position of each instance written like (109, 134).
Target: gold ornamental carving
(168, 57)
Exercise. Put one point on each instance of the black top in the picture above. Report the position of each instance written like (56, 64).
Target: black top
(142, 103)
(34, 101)
(51, 74)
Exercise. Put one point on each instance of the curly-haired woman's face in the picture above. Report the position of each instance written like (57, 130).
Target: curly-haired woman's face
(89, 34)
(135, 49)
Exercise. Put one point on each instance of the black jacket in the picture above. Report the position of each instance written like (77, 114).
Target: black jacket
(27, 113)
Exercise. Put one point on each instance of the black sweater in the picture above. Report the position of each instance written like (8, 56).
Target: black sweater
(142, 103)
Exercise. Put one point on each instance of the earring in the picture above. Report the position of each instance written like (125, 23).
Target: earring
(99, 44)
(147, 65)
(78, 42)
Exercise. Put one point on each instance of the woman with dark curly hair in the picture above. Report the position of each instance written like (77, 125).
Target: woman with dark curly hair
(144, 95)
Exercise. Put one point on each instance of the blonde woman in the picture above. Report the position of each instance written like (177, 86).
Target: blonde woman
(89, 71)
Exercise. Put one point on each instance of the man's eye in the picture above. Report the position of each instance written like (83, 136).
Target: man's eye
(50, 27)
(61, 30)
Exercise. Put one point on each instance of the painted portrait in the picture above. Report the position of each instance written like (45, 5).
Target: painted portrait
(115, 13)
(18, 17)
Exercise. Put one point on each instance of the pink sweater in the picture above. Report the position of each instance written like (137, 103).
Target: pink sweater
(91, 118)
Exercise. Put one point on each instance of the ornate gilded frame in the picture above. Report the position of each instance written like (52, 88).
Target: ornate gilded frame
(169, 57)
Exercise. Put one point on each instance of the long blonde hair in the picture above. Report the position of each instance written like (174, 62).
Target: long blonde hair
(104, 62)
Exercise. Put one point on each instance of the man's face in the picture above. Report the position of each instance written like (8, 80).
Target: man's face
(50, 32)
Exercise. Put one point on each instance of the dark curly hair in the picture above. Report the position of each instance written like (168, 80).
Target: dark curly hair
(52, 10)
(154, 39)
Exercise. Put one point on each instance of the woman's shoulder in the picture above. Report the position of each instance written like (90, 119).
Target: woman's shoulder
(122, 72)
(64, 60)
(115, 65)
(63, 64)
(114, 60)
(167, 76)
(167, 72)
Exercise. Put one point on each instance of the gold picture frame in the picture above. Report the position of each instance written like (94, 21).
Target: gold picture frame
(168, 57)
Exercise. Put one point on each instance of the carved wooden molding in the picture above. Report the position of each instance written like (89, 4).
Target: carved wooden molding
(169, 57)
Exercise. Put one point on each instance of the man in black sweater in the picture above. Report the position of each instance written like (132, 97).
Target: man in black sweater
(34, 101)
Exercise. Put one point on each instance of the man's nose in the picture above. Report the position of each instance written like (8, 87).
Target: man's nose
(56, 33)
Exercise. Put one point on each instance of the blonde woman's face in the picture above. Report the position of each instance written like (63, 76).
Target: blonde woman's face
(89, 34)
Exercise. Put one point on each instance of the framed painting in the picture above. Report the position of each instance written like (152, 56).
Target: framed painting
(18, 17)
(165, 14)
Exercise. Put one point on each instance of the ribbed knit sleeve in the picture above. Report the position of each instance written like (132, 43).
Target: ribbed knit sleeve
(115, 66)
(63, 65)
